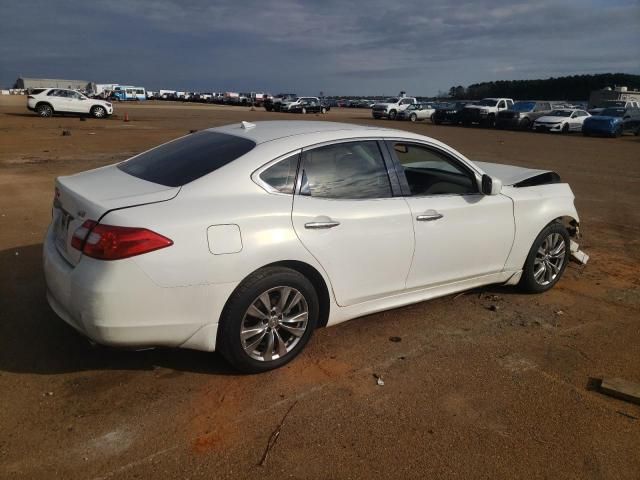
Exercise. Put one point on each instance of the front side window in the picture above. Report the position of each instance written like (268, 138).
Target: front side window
(352, 170)
(431, 172)
(55, 93)
(282, 175)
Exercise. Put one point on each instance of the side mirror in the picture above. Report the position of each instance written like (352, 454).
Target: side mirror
(491, 185)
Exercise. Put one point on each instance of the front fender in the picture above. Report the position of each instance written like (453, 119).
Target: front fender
(533, 209)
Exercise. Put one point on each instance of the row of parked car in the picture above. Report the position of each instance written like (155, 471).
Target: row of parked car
(614, 118)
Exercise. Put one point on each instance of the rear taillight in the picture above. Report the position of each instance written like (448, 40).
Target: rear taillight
(108, 242)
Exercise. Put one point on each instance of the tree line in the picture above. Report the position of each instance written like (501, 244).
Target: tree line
(575, 87)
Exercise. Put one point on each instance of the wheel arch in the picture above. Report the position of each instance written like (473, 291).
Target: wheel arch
(44, 102)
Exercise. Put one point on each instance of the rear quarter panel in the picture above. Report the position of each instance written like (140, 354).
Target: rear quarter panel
(534, 208)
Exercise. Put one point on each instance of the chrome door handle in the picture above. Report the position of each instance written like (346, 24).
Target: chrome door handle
(321, 225)
(429, 217)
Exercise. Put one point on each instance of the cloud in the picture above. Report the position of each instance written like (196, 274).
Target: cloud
(357, 47)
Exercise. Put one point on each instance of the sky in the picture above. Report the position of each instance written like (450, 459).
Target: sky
(339, 47)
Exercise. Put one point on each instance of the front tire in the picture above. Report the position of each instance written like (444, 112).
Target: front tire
(303, 111)
(392, 115)
(268, 320)
(98, 112)
(547, 259)
(44, 110)
(323, 111)
(565, 128)
(413, 117)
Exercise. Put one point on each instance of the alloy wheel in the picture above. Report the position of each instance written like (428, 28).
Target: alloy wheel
(274, 323)
(550, 259)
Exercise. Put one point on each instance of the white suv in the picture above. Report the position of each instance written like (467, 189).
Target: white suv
(45, 102)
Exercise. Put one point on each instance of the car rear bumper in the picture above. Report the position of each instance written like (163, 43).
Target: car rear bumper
(116, 303)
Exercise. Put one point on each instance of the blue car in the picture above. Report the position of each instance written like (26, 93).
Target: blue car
(613, 122)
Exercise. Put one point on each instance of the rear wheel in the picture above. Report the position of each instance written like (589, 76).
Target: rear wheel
(547, 259)
(98, 112)
(413, 117)
(268, 320)
(44, 110)
(392, 115)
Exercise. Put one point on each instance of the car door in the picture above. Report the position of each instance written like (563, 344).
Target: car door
(576, 120)
(59, 100)
(459, 232)
(78, 103)
(346, 215)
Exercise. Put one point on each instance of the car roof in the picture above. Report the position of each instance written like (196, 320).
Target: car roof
(266, 131)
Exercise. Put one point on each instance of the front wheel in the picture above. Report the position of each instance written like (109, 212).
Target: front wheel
(98, 112)
(392, 115)
(565, 128)
(547, 259)
(303, 111)
(413, 117)
(268, 320)
(324, 110)
(525, 124)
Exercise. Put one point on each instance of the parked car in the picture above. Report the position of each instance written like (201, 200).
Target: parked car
(50, 101)
(391, 106)
(309, 105)
(613, 122)
(485, 111)
(614, 103)
(450, 113)
(522, 115)
(297, 102)
(274, 104)
(417, 111)
(199, 243)
(561, 120)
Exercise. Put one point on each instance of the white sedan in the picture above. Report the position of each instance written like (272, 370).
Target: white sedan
(247, 237)
(563, 120)
(48, 101)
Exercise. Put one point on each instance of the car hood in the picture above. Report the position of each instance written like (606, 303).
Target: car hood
(549, 118)
(509, 174)
(604, 117)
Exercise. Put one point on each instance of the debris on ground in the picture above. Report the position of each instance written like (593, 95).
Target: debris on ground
(395, 339)
(493, 308)
(616, 387)
(559, 312)
(274, 436)
(379, 380)
(66, 133)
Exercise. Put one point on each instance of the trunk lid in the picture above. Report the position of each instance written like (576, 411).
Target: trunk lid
(89, 195)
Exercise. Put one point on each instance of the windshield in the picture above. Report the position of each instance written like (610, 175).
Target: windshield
(524, 106)
(612, 112)
(487, 102)
(415, 106)
(188, 158)
(560, 113)
(615, 103)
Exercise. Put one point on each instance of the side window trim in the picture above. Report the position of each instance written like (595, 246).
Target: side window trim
(255, 176)
(404, 184)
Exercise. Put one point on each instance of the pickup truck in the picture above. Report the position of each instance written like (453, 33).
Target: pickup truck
(485, 111)
(614, 104)
(522, 115)
(391, 106)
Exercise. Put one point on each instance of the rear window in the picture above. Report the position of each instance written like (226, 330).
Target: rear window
(187, 159)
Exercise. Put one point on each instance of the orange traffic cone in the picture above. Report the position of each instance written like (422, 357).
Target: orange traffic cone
(126, 116)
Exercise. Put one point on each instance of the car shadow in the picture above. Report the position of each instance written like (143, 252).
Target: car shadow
(33, 339)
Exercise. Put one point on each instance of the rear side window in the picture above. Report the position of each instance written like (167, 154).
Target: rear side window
(281, 177)
(187, 159)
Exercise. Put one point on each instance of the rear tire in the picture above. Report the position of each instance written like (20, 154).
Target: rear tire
(265, 337)
(547, 259)
(98, 112)
(413, 117)
(392, 115)
(44, 110)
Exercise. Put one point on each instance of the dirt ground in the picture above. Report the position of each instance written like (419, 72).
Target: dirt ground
(470, 392)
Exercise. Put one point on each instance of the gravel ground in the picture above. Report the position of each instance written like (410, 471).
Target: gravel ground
(470, 391)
